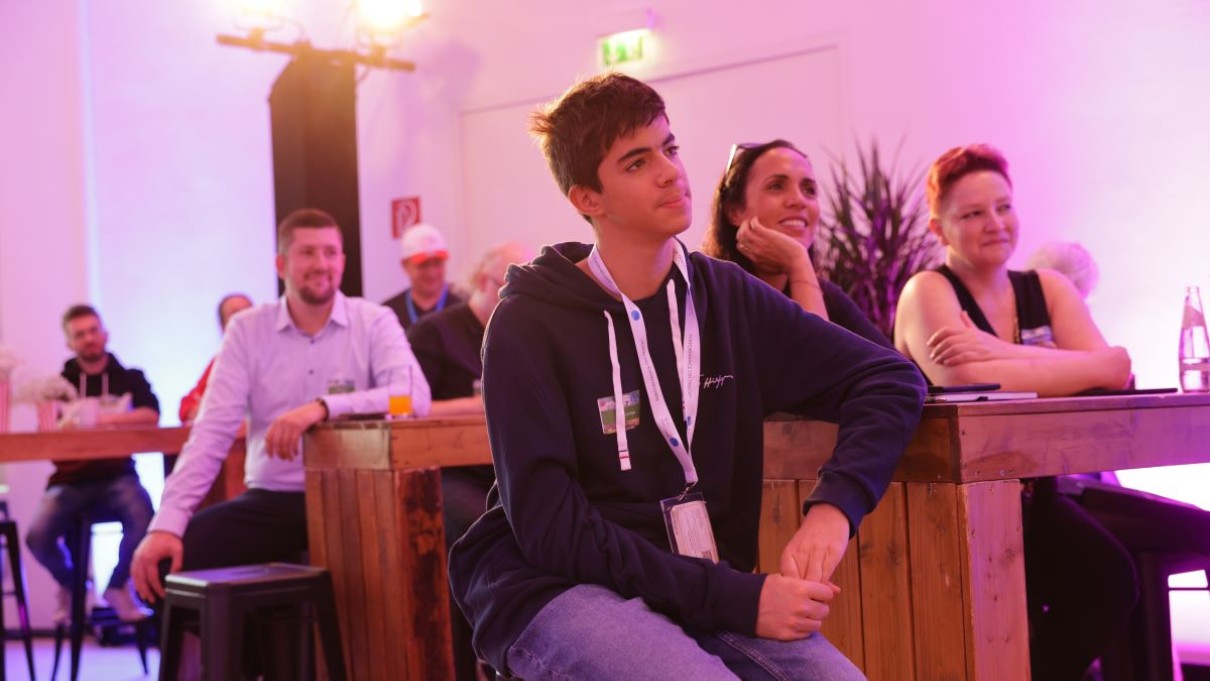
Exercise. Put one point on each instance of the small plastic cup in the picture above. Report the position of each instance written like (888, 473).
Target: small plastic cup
(399, 406)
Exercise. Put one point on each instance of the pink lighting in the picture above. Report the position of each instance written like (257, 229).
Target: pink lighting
(142, 179)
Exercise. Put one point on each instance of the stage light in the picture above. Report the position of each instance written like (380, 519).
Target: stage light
(380, 26)
(260, 16)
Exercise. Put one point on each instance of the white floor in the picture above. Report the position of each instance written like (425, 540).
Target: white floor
(97, 663)
(1191, 624)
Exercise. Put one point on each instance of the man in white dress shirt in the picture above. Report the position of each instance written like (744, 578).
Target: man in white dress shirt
(312, 355)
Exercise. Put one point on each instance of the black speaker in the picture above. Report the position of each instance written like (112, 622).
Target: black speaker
(313, 112)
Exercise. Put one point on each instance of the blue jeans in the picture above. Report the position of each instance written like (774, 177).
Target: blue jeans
(590, 632)
(122, 498)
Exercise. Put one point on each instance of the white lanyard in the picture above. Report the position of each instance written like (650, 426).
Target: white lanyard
(688, 364)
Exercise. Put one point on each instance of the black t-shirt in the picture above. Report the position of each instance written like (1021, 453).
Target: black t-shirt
(119, 381)
(447, 345)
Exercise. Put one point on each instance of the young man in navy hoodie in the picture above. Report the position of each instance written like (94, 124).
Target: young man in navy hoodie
(623, 540)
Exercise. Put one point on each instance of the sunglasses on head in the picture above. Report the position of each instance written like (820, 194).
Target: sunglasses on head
(737, 150)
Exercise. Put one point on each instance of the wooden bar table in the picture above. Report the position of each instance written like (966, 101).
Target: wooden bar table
(374, 520)
(93, 443)
(118, 441)
(934, 583)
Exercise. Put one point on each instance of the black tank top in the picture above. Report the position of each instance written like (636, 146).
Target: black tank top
(1033, 320)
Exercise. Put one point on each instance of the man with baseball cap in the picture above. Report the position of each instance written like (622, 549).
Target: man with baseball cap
(424, 256)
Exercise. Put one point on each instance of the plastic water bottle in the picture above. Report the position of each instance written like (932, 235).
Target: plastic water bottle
(1194, 351)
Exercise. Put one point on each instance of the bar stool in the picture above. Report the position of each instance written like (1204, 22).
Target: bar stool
(1165, 537)
(79, 540)
(222, 599)
(1145, 651)
(12, 543)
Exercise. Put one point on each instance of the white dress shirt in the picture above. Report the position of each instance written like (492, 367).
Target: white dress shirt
(266, 367)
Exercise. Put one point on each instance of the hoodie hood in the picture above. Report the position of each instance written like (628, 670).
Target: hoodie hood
(554, 278)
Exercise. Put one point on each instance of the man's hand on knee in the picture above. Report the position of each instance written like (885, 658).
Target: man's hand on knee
(145, 568)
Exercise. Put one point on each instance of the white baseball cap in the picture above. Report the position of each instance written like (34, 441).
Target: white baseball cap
(422, 241)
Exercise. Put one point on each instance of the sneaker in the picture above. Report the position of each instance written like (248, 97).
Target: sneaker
(62, 613)
(124, 603)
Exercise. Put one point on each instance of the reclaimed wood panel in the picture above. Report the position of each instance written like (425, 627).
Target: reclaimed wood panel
(937, 578)
(997, 447)
(844, 626)
(780, 517)
(353, 445)
(94, 443)
(331, 550)
(440, 442)
(378, 629)
(426, 594)
(997, 633)
(387, 522)
(886, 601)
(317, 548)
(354, 592)
(795, 449)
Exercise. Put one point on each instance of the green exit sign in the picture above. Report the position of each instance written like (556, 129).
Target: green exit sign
(622, 48)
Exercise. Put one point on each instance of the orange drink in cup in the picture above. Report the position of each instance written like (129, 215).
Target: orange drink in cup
(399, 406)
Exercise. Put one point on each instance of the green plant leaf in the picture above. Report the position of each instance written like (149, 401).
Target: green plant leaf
(874, 233)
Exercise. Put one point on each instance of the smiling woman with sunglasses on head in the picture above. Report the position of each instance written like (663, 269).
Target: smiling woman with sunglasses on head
(765, 217)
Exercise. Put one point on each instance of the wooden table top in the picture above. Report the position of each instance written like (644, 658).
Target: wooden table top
(982, 441)
(963, 442)
(94, 443)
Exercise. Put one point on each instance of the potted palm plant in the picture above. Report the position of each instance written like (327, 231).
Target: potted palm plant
(874, 235)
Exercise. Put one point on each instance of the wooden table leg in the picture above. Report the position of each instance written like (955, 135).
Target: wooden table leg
(993, 557)
(935, 554)
(380, 533)
(886, 595)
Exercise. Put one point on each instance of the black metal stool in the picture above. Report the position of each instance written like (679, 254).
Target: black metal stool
(1165, 537)
(12, 543)
(220, 600)
(1146, 647)
(79, 540)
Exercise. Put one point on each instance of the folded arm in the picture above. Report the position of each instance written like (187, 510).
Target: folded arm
(932, 330)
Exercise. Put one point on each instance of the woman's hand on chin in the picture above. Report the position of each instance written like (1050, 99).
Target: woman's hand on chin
(770, 250)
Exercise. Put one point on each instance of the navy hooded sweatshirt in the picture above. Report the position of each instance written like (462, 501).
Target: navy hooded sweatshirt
(567, 514)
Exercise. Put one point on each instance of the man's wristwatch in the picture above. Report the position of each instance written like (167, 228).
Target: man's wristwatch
(327, 412)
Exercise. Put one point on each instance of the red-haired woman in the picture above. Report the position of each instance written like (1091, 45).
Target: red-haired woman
(974, 320)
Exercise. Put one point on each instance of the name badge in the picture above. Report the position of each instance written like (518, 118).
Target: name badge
(606, 406)
(688, 525)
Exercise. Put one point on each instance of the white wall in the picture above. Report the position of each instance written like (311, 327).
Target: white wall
(1074, 94)
(43, 225)
(1098, 106)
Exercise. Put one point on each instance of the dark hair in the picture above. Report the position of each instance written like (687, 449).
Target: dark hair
(229, 296)
(719, 241)
(78, 311)
(303, 218)
(577, 130)
(956, 164)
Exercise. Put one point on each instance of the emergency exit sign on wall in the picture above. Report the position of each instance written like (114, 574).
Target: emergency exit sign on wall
(623, 48)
